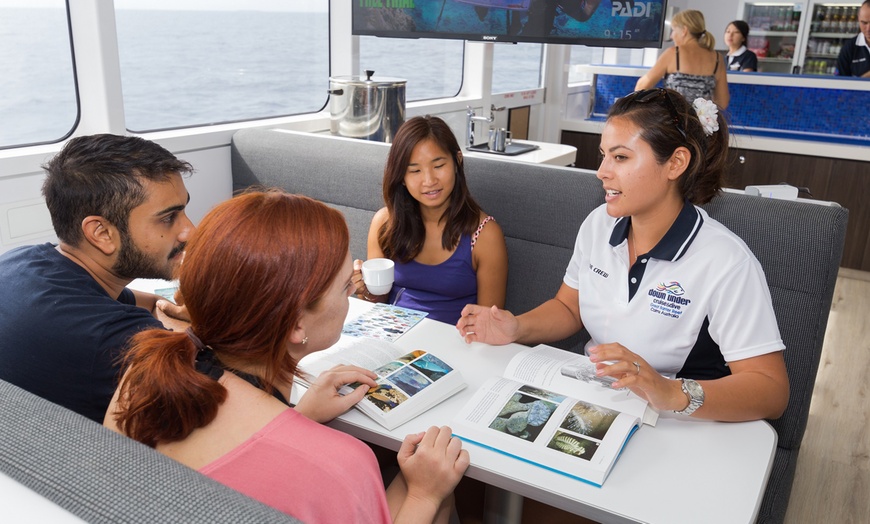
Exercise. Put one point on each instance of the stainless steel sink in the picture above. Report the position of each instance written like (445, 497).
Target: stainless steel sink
(511, 149)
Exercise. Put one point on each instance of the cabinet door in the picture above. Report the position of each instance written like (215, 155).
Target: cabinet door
(846, 182)
(774, 30)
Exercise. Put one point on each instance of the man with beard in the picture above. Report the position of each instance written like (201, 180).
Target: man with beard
(117, 205)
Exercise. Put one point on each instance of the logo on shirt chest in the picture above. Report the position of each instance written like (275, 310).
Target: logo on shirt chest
(667, 299)
(598, 271)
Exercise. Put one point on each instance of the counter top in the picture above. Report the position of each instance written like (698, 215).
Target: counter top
(755, 78)
(795, 114)
(746, 140)
(547, 153)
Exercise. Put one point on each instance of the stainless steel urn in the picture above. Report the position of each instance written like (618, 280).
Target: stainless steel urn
(367, 108)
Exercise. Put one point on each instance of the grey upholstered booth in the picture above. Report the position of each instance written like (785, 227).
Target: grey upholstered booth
(540, 209)
(101, 476)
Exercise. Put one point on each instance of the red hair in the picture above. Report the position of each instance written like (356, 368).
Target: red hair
(251, 268)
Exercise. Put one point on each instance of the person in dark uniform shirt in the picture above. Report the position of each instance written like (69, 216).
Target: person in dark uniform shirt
(739, 58)
(854, 59)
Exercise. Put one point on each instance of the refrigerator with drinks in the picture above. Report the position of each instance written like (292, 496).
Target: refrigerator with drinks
(831, 24)
(775, 28)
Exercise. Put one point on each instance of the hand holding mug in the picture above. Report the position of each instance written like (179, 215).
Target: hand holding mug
(377, 273)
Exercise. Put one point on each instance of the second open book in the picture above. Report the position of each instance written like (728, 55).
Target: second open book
(549, 409)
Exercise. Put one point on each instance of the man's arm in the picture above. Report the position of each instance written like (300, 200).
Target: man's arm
(149, 302)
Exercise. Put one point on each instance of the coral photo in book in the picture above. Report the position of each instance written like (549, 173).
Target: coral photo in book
(523, 416)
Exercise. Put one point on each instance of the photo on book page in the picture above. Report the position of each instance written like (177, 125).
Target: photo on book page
(405, 377)
(384, 322)
(167, 292)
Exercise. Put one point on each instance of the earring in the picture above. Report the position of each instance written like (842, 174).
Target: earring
(305, 340)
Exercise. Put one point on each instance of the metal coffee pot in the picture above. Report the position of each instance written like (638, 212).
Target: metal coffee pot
(499, 139)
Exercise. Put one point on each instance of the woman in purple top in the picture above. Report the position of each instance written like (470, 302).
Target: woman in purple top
(448, 252)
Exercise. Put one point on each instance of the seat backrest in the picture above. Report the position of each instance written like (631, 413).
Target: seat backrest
(101, 476)
(799, 245)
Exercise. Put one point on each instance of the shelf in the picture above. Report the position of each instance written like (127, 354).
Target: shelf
(761, 32)
(833, 35)
(776, 60)
(819, 55)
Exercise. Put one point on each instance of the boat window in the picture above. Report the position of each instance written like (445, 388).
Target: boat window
(633, 57)
(188, 63)
(582, 55)
(516, 67)
(38, 102)
(431, 67)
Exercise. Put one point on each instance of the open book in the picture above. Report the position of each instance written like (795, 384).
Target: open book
(409, 383)
(549, 409)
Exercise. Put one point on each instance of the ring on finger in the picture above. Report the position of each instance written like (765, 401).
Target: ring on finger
(637, 366)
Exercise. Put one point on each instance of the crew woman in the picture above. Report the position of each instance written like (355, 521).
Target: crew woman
(739, 58)
(215, 397)
(692, 67)
(677, 305)
(448, 252)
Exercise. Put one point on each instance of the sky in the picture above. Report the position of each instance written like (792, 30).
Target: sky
(195, 5)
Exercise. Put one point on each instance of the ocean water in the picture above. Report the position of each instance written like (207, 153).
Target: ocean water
(191, 68)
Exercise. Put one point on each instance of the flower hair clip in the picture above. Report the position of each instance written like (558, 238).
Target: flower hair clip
(707, 113)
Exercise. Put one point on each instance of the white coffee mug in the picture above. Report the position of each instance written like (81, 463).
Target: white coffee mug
(377, 273)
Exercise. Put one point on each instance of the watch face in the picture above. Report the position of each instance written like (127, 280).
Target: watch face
(694, 389)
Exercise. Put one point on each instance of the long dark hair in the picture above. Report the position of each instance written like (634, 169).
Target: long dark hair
(667, 121)
(401, 238)
(253, 266)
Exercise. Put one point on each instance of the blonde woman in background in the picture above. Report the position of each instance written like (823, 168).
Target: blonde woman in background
(692, 67)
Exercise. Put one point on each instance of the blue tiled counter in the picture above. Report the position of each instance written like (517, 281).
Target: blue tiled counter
(810, 115)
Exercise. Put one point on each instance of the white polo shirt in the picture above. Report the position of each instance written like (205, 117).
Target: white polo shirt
(697, 300)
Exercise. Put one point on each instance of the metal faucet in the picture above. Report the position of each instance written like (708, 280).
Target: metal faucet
(471, 118)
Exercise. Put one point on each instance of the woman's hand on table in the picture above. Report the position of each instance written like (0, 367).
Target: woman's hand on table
(322, 402)
(633, 372)
(490, 325)
(432, 463)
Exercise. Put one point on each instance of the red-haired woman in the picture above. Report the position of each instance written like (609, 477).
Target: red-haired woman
(266, 280)
(448, 252)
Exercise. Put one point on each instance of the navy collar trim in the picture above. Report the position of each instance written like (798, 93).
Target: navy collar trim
(676, 241)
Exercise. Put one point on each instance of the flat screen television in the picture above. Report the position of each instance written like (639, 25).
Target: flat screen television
(603, 23)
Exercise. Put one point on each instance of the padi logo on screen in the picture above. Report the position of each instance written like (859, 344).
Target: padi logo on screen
(488, 37)
(632, 9)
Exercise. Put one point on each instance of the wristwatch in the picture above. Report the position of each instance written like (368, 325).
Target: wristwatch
(695, 392)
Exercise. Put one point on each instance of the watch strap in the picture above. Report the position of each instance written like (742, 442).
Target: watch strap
(694, 392)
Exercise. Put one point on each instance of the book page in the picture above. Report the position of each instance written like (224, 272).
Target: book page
(548, 429)
(409, 382)
(364, 352)
(573, 374)
(409, 385)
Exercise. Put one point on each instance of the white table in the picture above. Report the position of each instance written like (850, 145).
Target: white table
(681, 470)
(547, 153)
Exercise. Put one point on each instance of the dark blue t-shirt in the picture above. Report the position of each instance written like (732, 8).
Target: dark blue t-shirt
(60, 333)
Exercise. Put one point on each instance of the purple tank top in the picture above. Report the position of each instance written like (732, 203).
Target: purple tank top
(441, 290)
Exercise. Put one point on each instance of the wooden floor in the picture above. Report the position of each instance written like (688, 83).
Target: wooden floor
(832, 482)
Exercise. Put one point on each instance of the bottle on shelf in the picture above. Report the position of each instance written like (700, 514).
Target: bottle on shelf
(819, 19)
(795, 20)
(837, 22)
